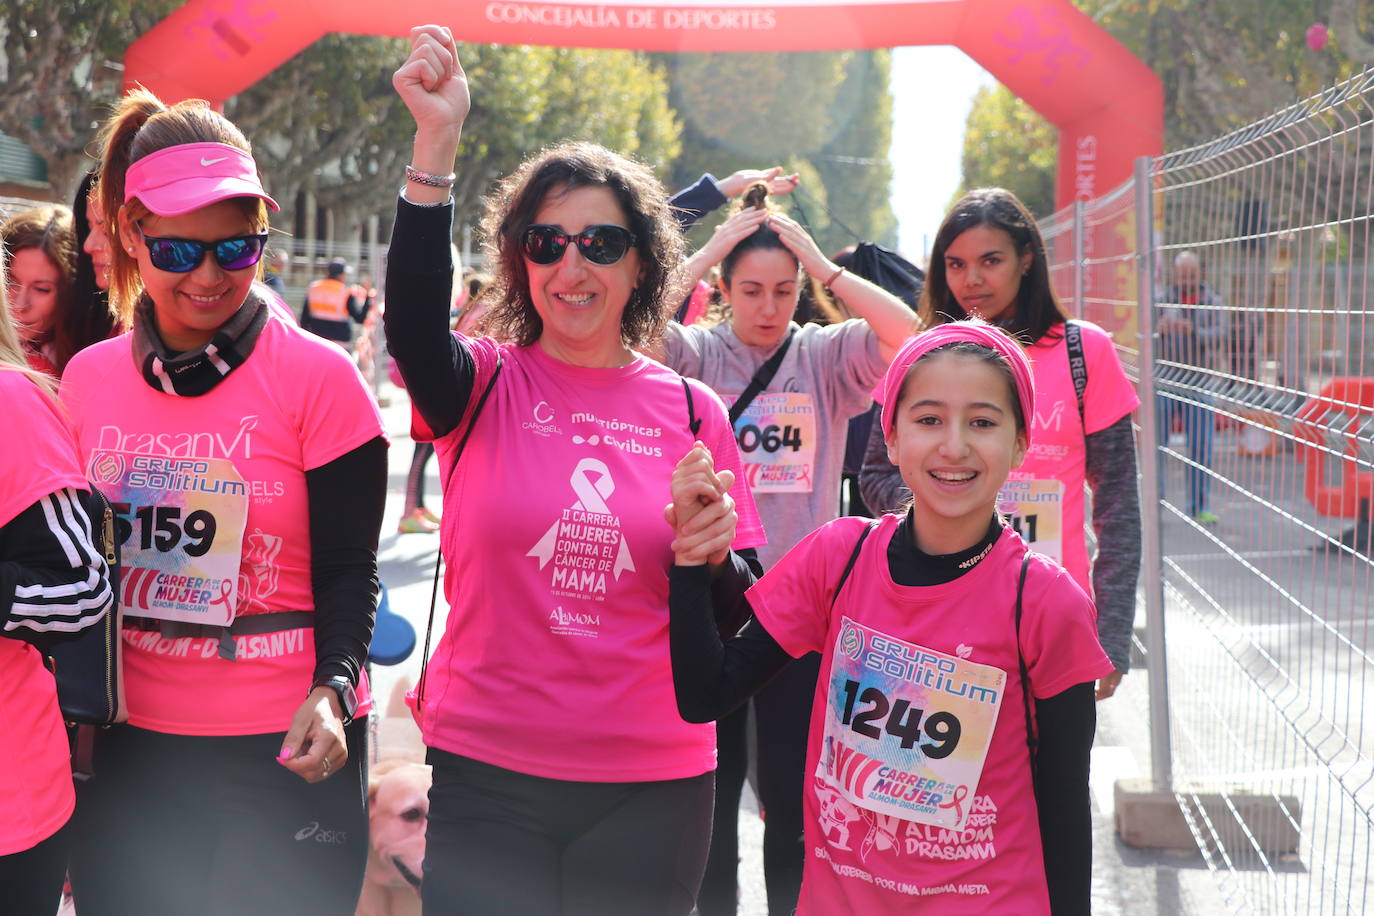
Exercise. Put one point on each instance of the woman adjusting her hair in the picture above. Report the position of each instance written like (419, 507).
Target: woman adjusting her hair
(564, 780)
(792, 389)
(249, 507)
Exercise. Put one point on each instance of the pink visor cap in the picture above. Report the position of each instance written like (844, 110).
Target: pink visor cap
(973, 331)
(183, 178)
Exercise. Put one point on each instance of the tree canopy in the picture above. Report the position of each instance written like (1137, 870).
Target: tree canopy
(826, 116)
(328, 122)
(1224, 64)
(1008, 145)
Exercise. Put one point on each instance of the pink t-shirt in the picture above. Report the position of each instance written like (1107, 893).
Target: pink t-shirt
(238, 455)
(554, 660)
(863, 859)
(1046, 493)
(35, 773)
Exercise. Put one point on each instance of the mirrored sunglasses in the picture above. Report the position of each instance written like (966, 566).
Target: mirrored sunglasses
(180, 256)
(601, 244)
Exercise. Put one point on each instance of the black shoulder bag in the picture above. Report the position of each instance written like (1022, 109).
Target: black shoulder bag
(87, 667)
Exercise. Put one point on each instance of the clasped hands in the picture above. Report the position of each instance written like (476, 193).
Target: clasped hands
(702, 513)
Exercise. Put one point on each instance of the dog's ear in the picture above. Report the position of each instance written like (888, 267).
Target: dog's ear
(375, 776)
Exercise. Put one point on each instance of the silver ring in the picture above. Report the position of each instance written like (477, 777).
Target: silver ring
(326, 766)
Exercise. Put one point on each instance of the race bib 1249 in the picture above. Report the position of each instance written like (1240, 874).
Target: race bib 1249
(907, 728)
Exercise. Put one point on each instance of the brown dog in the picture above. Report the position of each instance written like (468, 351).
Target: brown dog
(398, 810)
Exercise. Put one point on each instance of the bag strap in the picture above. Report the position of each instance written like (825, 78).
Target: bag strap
(853, 558)
(439, 554)
(693, 421)
(1032, 742)
(761, 378)
(1078, 364)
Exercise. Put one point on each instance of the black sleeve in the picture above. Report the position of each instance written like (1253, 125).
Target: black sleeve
(346, 497)
(438, 370)
(732, 612)
(358, 308)
(1066, 723)
(711, 679)
(305, 311)
(1111, 472)
(53, 581)
(690, 204)
(880, 482)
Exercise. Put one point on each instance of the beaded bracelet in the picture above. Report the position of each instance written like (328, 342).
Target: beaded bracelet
(419, 176)
(833, 277)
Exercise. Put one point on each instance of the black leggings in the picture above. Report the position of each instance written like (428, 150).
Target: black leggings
(31, 880)
(415, 480)
(502, 843)
(177, 824)
(782, 713)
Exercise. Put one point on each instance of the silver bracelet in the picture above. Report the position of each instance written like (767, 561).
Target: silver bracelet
(419, 176)
(436, 203)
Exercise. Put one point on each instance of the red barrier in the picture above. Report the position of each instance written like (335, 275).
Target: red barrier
(1108, 106)
(1334, 419)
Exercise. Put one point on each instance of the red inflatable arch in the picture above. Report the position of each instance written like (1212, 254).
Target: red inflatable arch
(1108, 106)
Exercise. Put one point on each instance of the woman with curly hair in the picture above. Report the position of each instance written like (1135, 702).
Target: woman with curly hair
(564, 779)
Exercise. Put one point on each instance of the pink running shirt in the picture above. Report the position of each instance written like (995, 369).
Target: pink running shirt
(35, 773)
(862, 862)
(554, 660)
(1057, 453)
(296, 404)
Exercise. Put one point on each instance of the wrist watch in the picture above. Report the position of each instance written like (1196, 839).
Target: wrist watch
(348, 698)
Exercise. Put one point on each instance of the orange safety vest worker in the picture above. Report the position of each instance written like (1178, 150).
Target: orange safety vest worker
(327, 300)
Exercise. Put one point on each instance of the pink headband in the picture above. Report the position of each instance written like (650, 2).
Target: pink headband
(183, 178)
(977, 332)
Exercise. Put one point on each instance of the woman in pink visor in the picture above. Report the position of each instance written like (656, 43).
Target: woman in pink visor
(248, 508)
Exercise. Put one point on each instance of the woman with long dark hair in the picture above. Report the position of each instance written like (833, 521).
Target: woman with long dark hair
(989, 262)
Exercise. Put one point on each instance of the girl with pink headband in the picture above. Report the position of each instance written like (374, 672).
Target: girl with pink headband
(947, 762)
(248, 507)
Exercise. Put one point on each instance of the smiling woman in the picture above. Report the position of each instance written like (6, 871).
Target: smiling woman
(557, 562)
(249, 507)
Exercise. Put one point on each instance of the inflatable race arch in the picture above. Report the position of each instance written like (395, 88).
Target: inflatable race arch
(1108, 106)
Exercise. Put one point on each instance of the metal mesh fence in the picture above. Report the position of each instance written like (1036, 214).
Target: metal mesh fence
(1261, 382)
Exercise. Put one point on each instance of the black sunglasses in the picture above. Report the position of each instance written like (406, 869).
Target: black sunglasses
(181, 256)
(602, 244)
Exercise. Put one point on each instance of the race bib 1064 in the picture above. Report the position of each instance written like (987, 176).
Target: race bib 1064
(776, 435)
(180, 524)
(907, 728)
(1035, 508)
